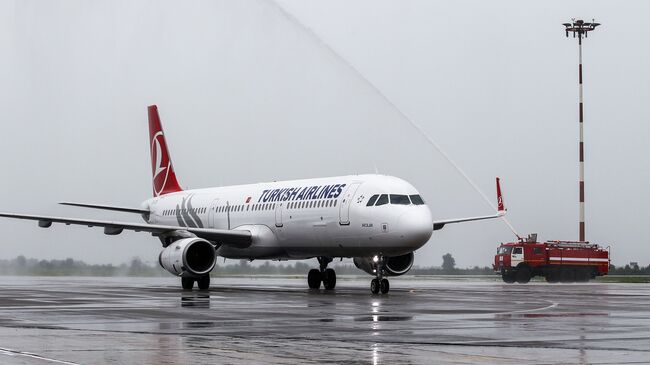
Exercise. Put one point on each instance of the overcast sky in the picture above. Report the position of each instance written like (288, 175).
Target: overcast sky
(254, 91)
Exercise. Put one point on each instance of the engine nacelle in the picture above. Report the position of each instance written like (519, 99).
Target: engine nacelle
(393, 266)
(188, 257)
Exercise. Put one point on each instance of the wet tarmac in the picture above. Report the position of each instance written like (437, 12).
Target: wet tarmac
(277, 320)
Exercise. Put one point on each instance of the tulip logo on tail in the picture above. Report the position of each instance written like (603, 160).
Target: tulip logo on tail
(160, 163)
(162, 171)
(500, 206)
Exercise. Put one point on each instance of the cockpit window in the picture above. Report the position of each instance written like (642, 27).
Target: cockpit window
(416, 199)
(372, 200)
(383, 199)
(399, 199)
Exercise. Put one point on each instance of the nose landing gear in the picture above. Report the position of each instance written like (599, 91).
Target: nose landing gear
(379, 284)
(325, 275)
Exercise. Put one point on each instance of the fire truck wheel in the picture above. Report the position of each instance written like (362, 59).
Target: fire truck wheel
(552, 277)
(508, 278)
(522, 275)
(567, 276)
(583, 276)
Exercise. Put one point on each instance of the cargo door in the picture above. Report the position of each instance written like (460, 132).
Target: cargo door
(517, 256)
(344, 208)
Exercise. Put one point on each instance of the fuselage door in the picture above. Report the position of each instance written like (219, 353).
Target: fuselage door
(278, 215)
(219, 217)
(212, 214)
(346, 201)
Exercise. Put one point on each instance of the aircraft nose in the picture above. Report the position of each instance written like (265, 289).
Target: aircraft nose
(416, 226)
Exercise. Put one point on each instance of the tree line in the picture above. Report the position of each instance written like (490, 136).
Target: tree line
(136, 267)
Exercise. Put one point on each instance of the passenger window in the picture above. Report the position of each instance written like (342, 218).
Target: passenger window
(372, 200)
(399, 199)
(517, 251)
(382, 200)
(537, 250)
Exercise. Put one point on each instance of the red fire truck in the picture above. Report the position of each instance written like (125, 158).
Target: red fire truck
(557, 261)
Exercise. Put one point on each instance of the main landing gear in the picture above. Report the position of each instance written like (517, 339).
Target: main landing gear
(325, 275)
(203, 282)
(379, 284)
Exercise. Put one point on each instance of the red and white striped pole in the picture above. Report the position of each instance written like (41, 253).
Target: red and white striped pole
(581, 147)
(580, 28)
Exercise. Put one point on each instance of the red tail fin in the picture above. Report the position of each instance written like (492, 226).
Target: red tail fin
(500, 206)
(162, 170)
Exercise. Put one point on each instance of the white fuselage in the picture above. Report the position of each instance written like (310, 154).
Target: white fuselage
(305, 218)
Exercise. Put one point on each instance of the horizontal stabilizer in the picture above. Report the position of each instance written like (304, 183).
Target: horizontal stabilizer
(107, 207)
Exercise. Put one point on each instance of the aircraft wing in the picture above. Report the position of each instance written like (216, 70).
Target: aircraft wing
(106, 207)
(235, 238)
(501, 211)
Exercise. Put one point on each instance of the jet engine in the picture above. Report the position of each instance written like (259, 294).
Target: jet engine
(188, 257)
(393, 266)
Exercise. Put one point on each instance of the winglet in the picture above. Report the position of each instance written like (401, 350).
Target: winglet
(500, 206)
(163, 175)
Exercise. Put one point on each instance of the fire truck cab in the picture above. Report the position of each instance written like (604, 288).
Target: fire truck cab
(556, 261)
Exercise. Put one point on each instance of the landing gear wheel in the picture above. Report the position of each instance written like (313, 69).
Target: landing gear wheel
(314, 279)
(329, 279)
(204, 282)
(374, 286)
(187, 283)
(384, 286)
(522, 275)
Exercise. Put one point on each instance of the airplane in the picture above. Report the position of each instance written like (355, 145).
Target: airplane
(377, 220)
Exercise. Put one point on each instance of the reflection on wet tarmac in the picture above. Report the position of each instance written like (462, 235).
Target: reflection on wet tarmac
(195, 299)
(277, 320)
